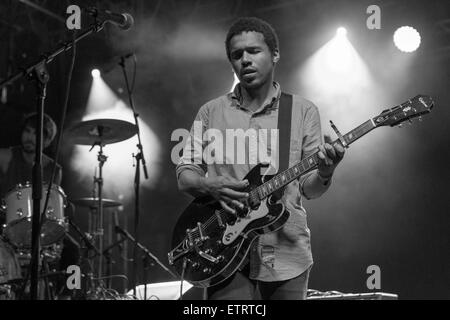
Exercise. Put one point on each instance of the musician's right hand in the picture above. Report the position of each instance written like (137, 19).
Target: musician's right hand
(226, 191)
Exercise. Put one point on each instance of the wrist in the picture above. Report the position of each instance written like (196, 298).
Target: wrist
(324, 178)
(203, 183)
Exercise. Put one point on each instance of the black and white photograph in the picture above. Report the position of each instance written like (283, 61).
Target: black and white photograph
(208, 151)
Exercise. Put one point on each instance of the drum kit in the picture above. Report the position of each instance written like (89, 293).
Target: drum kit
(15, 240)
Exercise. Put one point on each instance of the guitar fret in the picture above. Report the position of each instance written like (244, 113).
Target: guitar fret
(258, 192)
(302, 167)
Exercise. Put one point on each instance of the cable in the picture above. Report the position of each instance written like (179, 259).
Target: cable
(134, 72)
(182, 277)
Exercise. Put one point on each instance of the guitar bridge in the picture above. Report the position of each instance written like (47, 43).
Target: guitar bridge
(207, 256)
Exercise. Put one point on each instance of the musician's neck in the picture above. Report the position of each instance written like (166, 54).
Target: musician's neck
(253, 99)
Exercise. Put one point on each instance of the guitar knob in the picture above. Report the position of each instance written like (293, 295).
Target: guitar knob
(207, 270)
(195, 265)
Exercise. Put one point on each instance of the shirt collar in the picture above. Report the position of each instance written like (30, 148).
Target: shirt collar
(269, 104)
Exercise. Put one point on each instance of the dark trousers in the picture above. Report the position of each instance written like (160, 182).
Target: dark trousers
(240, 287)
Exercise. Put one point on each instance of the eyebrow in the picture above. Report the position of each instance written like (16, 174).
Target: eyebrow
(249, 48)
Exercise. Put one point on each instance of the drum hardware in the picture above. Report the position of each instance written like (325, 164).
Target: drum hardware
(92, 203)
(100, 132)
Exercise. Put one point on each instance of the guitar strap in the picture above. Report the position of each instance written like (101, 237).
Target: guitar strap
(284, 130)
(284, 141)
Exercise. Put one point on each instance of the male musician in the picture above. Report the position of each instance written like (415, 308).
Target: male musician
(280, 262)
(16, 163)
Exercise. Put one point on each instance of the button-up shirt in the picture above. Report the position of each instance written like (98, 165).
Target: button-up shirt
(286, 253)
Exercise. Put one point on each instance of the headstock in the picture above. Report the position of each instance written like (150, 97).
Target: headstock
(415, 107)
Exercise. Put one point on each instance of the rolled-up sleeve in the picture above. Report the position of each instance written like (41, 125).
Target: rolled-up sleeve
(312, 138)
(192, 157)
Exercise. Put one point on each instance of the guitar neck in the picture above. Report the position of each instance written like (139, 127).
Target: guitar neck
(307, 164)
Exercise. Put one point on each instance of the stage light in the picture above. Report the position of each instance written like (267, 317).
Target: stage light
(338, 80)
(341, 32)
(95, 73)
(407, 39)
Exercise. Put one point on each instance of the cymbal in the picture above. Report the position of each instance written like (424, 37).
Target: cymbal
(104, 131)
(93, 203)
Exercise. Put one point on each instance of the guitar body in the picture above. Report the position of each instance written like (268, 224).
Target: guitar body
(214, 254)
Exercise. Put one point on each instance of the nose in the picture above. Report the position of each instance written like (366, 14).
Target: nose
(246, 59)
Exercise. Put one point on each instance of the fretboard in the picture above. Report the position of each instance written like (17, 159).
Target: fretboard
(307, 164)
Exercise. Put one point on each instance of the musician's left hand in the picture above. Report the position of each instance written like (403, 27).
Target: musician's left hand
(329, 157)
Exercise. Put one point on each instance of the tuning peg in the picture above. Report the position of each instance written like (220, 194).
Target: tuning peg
(420, 118)
(400, 125)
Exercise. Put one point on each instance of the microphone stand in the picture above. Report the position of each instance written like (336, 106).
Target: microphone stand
(139, 157)
(41, 75)
(89, 246)
(38, 71)
(145, 250)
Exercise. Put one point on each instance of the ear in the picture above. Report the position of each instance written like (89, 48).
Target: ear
(47, 142)
(276, 56)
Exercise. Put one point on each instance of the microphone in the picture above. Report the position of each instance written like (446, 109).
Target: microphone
(123, 20)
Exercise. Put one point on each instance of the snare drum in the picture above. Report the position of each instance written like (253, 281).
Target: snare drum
(19, 212)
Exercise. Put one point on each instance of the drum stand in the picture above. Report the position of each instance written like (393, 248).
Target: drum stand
(99, 181)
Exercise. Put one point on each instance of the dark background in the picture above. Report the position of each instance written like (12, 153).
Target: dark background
(389, 203)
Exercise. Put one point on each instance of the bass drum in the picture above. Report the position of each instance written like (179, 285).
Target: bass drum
(10, 271)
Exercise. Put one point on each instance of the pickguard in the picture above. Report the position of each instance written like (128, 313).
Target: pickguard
(231, 232)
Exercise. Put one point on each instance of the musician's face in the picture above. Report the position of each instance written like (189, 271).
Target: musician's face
(252, 60)
(29, 140)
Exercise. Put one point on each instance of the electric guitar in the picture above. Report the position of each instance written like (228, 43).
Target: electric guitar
(209, 244)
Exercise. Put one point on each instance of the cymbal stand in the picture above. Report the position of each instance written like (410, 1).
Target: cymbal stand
(99, 181)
